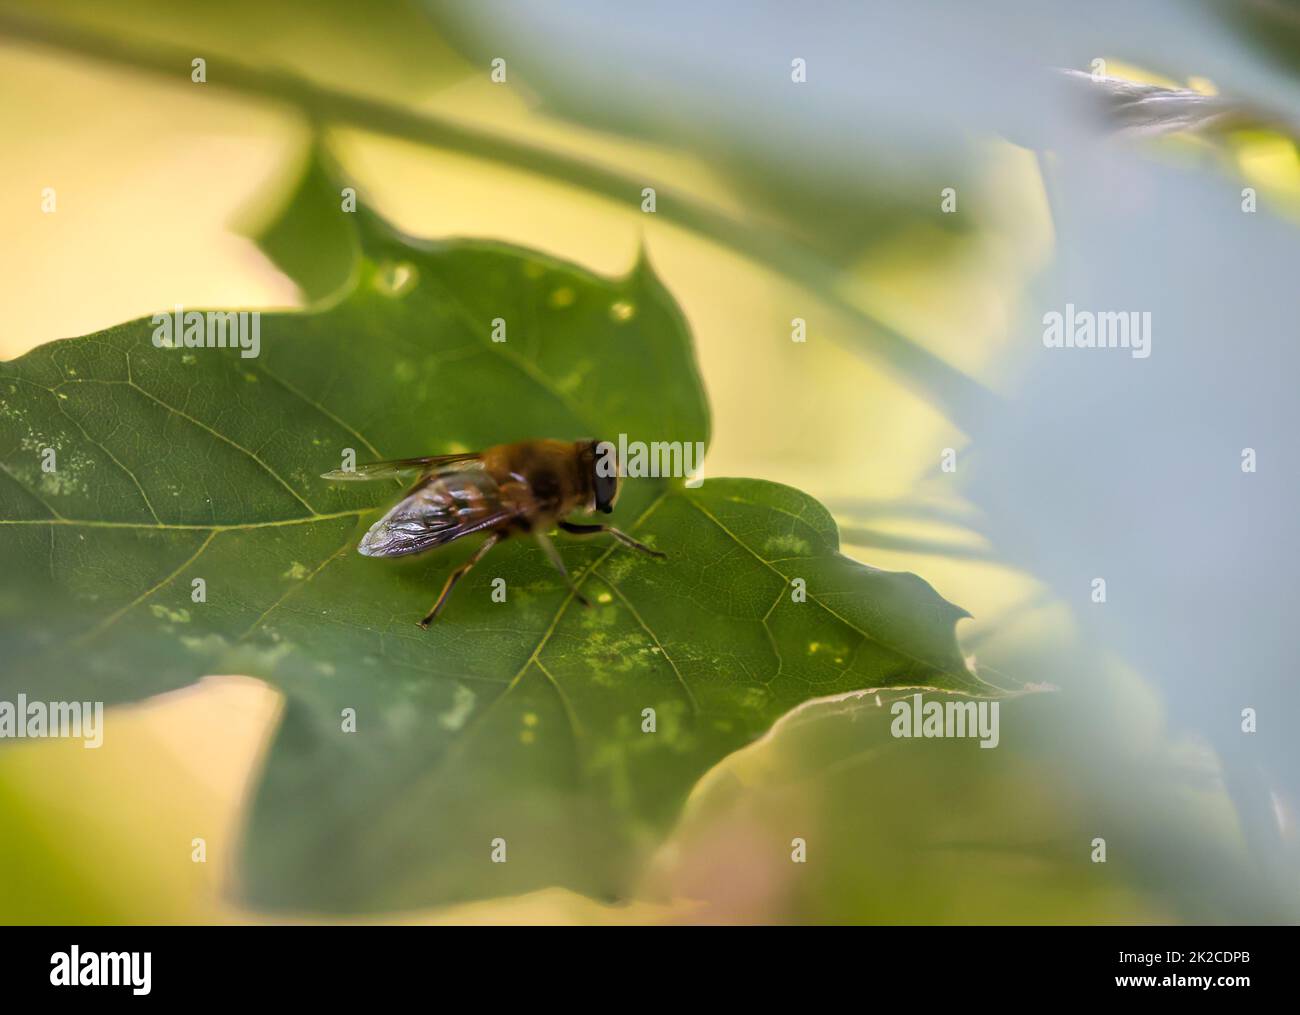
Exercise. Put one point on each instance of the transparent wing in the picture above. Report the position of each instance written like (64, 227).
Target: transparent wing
(440, 509)
(398, 466)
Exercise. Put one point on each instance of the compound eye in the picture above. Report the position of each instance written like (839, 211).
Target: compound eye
(606, 493)
(605, 478)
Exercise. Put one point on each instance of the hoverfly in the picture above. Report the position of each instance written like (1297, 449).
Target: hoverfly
(526, 487)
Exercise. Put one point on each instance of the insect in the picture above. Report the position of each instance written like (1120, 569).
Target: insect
(527, 487)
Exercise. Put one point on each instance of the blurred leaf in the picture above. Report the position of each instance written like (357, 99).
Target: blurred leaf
(956, 834)
(520, 720)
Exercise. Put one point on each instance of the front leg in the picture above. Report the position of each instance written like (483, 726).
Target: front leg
(590, 530)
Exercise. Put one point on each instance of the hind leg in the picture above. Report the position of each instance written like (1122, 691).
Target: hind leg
(457, 575)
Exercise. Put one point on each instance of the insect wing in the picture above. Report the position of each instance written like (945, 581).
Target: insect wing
(442, 508)
(398, 466)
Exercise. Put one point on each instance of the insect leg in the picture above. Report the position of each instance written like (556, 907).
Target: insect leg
(554, 556)
(457, 575)
(622, 537)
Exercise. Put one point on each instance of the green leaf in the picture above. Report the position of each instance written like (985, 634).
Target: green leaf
(519, 721)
